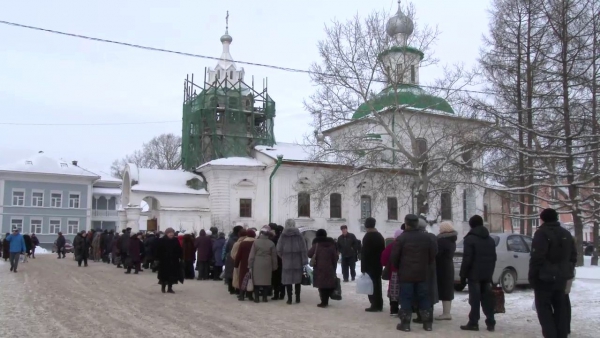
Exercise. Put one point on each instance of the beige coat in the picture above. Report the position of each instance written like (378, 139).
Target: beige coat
(236, 272)
(262, 261)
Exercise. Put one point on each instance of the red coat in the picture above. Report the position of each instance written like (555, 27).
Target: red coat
(385, 257)
(180, 238)
(241, 260)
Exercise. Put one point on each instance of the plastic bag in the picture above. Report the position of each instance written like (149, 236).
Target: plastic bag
(364, 285)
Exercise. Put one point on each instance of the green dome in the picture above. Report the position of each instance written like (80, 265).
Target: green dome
(407, 95)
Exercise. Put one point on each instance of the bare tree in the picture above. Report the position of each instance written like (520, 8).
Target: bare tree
(406, 135)
(161, 152)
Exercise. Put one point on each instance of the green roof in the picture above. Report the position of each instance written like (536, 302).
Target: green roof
(411, 96)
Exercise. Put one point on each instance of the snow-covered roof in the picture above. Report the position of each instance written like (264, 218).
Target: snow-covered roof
(167, 181)
(234, 162)
(107, 191)
(41, 163)
(290, 151)
(493, 184)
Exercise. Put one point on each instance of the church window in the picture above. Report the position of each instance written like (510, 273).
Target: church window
(392, 207)
(303, 204)
(335, 205)
(399, 72)
(365, 206)
(467, 157)
(413, 77)
(231, 74)
(245, 207)
(421, 146)
(446, 206)
(217, 75)
(465, 205)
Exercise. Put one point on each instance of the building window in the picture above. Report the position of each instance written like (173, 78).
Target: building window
(74, 201)
(485, 213)
(18, 198)
(365, 207)
(303, 204)
(335, 205)
(465, 201)
(467, 157)
(231, 74)
(73, 227)
(446, 206)
(16, 223)
(56, 200)
(37, 199)
(36, 226)
(54, 226)
(399, 73)
(392, 207)
(421, 146)
(413, 75)
(245, 207)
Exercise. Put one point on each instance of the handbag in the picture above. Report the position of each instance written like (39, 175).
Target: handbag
(313, 259)
(247, 284)
(306, 280)
(498, 294)
(337, 292)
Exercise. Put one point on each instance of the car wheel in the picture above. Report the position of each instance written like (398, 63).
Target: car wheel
(459, 287)
(508, 280)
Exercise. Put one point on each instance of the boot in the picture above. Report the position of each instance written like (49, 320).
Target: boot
(265, 296)
(288, 288)
(447, 306)
(241, 296)
(324, 299)
(275, 293)
(170, 289)
(427, 317)
(256, 295)
(250, 296)
(297, 299)
(469, 327)
(163, 288)
(297, 289)
(405, 317)
(394, 308)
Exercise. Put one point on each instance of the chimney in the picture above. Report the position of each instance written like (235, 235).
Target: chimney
(74, 163)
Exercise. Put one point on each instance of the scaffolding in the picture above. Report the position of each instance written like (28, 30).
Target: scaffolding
(224, 119)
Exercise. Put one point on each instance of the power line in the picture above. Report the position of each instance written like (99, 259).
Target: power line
(86, 124)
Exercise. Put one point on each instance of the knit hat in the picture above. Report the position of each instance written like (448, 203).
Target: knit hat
(549, 215)
(321, 233)
(250, 233)
(446, 226)
(422, 224)
(273, 226)
(411, 221)
(243, 232)
(169, 230)
(237, 228)
(370, 223)
(265, 230)
(290, 223)
(398, 233)
(221, 235)
(476, 221)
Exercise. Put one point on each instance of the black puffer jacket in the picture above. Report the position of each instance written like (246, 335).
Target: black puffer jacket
(413, 255)
(372, 247)
(553, 257)
(348, 245)
(479, 256)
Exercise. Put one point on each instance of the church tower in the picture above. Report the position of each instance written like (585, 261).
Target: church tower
(224, 116)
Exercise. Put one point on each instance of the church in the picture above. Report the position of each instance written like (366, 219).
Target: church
(235, 173)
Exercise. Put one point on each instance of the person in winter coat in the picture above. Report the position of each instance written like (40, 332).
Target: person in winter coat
(278, 289)
(479, 262)
(393, 292)
(96, 247)
(189, 256)
(35, 242)
(446, 243)
(103, 240)
(28, 246)
(348, 247)
(262, 262)
(217, 247)
(81, 248)
(17, 247)
(124, 247)
(6, 247)
(291, 247)
(234, 251)
(60, 245)
(373, 245)
(169, 254)
(116, 249)
(431, 276)
(414, 255)
(203, 245)
(213, 233)
(242, 262)
(551, 266)
(149, 251)
(228, 259)
(134, 255)
(325, 255)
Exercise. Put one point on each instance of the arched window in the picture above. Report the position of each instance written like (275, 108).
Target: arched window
(365, 206)
(303, 204)
(446, 206)
(335, 205)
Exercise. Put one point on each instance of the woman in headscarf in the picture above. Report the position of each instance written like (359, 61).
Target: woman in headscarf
(234, 250)
(189, 256)
(96, 250)
(228, 275)
(394, 286)
(446, 241)
(241, 262)
(217, 248)
(291, 247)
(262, 262)
(168, 254)
(325, 254)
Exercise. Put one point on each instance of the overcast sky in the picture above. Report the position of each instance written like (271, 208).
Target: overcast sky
(48, 78)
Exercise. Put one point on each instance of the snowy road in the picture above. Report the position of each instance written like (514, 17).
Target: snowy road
(55, 298)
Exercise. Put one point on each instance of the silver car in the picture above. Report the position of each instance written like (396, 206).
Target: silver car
(512, 264)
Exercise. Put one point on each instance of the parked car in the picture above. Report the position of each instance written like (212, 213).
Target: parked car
(68, 247)
(512, 263)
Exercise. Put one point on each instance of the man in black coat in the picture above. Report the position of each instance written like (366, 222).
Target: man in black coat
(552, 262)
(477, 269)
(60, 245)
(348, 247)
(414, 255)
(372, 246)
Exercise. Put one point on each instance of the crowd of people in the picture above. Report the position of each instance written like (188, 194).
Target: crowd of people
(273, 263)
